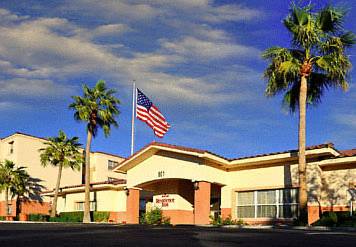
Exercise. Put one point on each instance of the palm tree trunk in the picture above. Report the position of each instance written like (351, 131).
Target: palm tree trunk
(6, 201)
(86, 217)
(303, 197)
(54, 205)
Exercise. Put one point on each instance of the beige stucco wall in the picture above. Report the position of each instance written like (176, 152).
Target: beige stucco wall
(100, 167)
(107, 200)
(335, 185)
(276, 176)
(175, 166)
(67, 203)
(25, 153)
(111, 200)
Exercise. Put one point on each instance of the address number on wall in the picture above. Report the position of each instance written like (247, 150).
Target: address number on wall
(161, 174)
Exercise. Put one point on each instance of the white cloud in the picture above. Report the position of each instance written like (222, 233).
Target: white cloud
(112, 10)
(102, 31)
(210, 11)
(8, 17)
(33, 45)
(33, 88)
(11, 106)
(202, 49)
(8, 68)
(39, 52)
(232, 12)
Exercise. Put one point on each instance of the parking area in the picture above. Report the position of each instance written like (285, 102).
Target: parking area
(135, 235)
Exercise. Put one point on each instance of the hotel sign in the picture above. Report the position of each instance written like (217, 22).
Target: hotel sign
(164, 201)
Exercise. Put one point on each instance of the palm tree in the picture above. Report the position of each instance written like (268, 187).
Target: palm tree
(13, 180)
(61, 152)
(98, 108)
(315, 62)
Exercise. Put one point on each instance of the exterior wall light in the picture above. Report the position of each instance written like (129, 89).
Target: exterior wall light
(127, 191)
(196, 185)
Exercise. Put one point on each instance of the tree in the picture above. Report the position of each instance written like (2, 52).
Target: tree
(97, 108)
(316, 62)
(13, 180)
(61, 152)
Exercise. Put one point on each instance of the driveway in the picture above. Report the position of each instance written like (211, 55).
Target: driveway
(16, 234)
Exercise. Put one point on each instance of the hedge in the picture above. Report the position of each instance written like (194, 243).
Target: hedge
(38, 217)
(336, 219)
(101, 216)
(97, 216)
(68, 217)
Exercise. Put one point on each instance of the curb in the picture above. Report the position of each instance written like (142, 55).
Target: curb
(300, 228)
(256, 227)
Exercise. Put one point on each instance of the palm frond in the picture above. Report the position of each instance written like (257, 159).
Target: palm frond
(61, 150)
(100, 101)
(330, 19)
(283, 69)
(302, 26)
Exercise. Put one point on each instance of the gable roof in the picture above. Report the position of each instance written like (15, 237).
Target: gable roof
(348, 153)
(221, 162)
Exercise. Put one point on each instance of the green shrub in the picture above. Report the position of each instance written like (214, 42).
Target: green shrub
(38, 217)
(154, 217)
(101, 216)
(2, 217)
(68, 217)
(328, 219)
(336, 219)
(215, 221)
(166, 221)
(226, 221)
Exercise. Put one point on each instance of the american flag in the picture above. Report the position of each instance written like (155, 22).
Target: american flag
(150, 114)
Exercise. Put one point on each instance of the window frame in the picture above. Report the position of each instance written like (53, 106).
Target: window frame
(79, 206)
(112, 164)
(277, 203)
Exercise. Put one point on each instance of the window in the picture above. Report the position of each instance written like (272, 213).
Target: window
(112, 164)
(280, 203)
(11, 147)
(79, 206)
(9, 209)
(246, 205)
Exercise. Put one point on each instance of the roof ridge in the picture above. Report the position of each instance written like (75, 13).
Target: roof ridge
(184, 148)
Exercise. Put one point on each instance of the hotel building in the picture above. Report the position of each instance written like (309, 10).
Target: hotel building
(193, 185)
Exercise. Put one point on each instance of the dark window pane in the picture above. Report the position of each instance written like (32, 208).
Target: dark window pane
(288, 211)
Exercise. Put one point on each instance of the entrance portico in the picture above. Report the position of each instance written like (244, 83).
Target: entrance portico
(183, 201)
(180, 182)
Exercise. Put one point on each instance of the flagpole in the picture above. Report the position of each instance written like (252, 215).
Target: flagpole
(133, 117)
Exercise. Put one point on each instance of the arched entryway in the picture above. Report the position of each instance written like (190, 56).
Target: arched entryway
(183, 201)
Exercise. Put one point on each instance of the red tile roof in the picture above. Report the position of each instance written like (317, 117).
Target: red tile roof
(325, 145)
(113, 182)
(348, 153)
(201, 151)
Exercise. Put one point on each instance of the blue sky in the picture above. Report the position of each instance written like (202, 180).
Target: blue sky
(197, 60)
